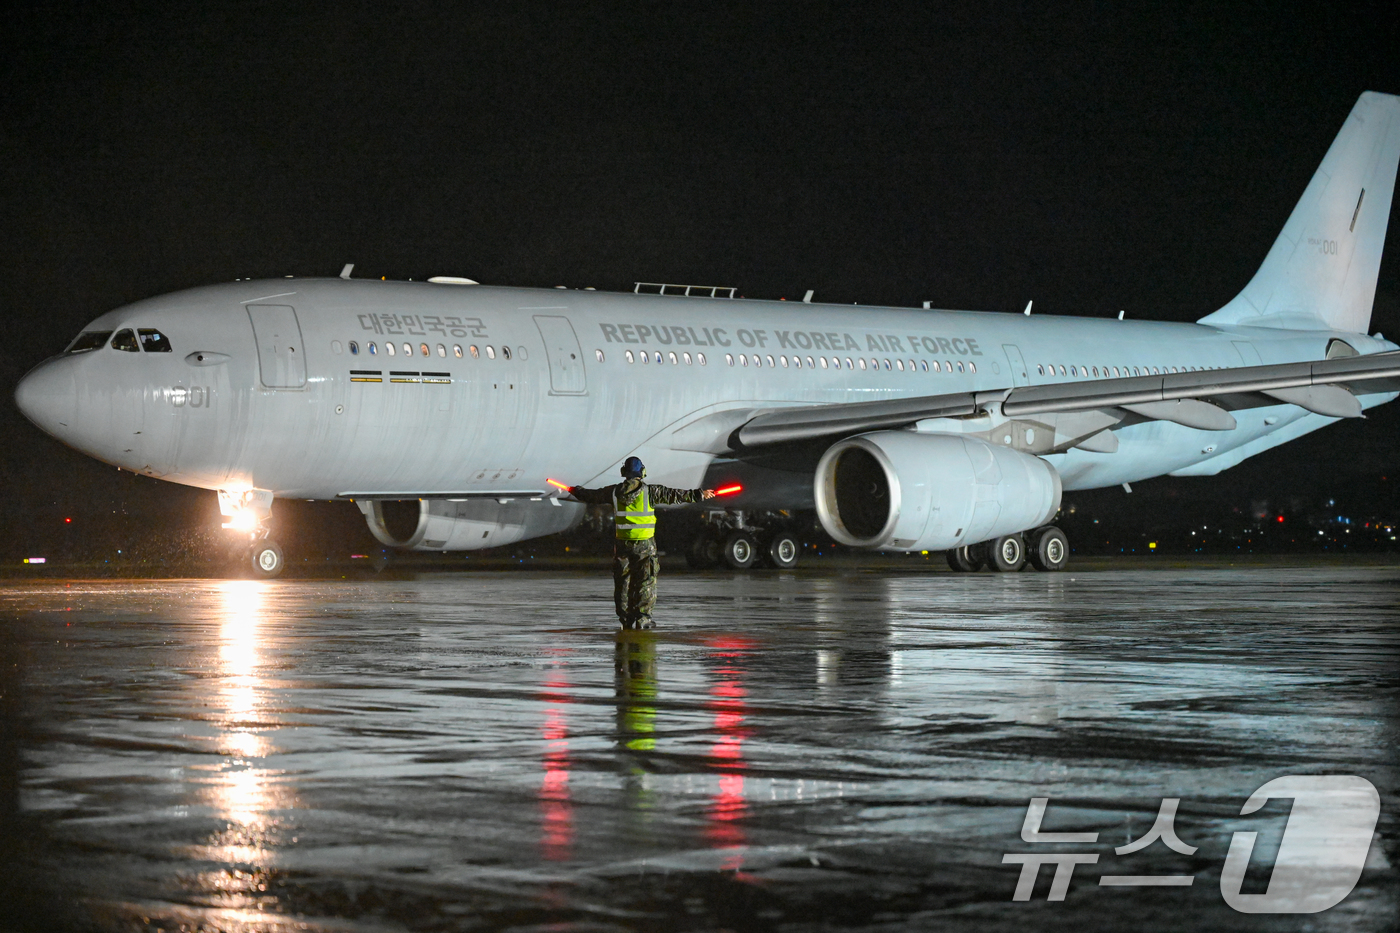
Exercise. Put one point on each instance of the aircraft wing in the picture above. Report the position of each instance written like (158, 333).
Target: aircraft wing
(1196, 399)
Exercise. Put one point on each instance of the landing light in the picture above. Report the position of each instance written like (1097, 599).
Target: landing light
(242, 520)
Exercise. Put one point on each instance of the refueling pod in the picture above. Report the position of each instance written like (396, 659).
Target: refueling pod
(905, 491)
(444, 525)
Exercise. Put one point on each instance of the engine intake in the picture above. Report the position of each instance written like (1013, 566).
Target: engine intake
(438, 525)
(900, 490)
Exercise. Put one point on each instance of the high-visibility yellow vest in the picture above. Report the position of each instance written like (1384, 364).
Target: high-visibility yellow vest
(635, 520)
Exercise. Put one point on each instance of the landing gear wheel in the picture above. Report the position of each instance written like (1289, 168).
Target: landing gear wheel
(1049, 550)
(1007, 554)
(267, 559)
(783, 551)
(967, 559)
(703, 552)
(739, 550)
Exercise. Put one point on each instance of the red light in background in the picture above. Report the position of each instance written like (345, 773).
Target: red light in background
(1280, 518)
(68, 521)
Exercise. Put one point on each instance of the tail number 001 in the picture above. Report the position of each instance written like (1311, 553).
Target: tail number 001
(194, 396)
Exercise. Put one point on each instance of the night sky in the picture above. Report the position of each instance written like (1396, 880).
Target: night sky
(1092, 158)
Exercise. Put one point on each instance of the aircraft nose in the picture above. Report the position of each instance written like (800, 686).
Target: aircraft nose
(48, 396)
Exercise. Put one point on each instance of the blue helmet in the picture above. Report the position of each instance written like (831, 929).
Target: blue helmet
(633, 467)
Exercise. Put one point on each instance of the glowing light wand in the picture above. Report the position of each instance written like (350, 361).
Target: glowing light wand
(729, 490)
(555, 482)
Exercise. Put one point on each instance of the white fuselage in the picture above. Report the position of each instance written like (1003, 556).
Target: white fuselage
(513, 410)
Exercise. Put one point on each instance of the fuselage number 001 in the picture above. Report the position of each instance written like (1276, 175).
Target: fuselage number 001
(194, 396)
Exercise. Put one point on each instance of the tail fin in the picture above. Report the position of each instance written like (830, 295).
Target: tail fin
(1321, 272)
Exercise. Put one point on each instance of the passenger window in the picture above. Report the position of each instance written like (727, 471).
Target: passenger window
(335, 347)
(89, 340)
(797, 362)
(686, 356)
(972, 367)
(391, 349)
(505, 353)
(442, 351)
(960, 366)
(354, 348)
(757, 360)
(125, 340)
(408, 349)
(770, 362)
(476, 354)
(153, 341)
(783, 360)
(701, 358)
(862, 362)
(490, 352)
(899, 364)
(646, 357)
(729, 358)
(672, 357)
(373, 350)
(630, 357)
(824, 363)
(599, 355)
(457, 350)
(811, 364)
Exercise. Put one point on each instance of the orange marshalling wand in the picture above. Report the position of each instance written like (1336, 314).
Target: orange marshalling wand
(555, 482)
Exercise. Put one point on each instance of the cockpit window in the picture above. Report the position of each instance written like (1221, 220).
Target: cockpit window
(153, 341)
(89, 340)
(125, 340)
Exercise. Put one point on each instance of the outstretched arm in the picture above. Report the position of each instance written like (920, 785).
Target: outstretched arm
(595, 496)
(665, 495)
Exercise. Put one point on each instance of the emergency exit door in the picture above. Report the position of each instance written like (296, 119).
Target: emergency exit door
(566, 375)
(281, 355)
(1019, 377)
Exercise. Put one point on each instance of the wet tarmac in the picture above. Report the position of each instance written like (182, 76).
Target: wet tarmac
(787, 752)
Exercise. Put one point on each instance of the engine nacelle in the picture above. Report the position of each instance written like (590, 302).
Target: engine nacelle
(439, 525)
(904, 491)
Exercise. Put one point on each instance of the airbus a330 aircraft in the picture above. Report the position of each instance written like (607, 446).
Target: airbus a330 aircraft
(906, 429)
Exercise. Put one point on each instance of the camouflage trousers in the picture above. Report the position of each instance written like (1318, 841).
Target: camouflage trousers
(635, 566)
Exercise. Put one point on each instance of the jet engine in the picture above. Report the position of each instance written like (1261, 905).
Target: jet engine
(904, 491)
(440, 525)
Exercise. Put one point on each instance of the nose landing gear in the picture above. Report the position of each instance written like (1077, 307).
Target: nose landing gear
(247, 512)
(266, 558)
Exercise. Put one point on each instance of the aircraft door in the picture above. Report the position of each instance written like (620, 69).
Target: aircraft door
(1018, 364)
(1248, 353)
(281, 355)
(566, 374)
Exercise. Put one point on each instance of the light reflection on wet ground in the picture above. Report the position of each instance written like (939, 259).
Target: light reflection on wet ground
(788, 751)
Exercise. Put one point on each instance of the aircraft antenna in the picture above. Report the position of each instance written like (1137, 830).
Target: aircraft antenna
(345, 272)
(1028, 307)
(807, 298)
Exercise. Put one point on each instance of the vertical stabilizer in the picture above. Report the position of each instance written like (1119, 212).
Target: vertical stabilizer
(1321, 272)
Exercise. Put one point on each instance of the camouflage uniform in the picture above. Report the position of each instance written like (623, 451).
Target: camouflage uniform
(635, 563)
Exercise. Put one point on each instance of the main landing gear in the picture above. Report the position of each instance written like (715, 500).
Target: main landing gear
(726, 538)
(1044, 549)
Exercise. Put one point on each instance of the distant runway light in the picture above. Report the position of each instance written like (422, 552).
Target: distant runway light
(36, 560)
